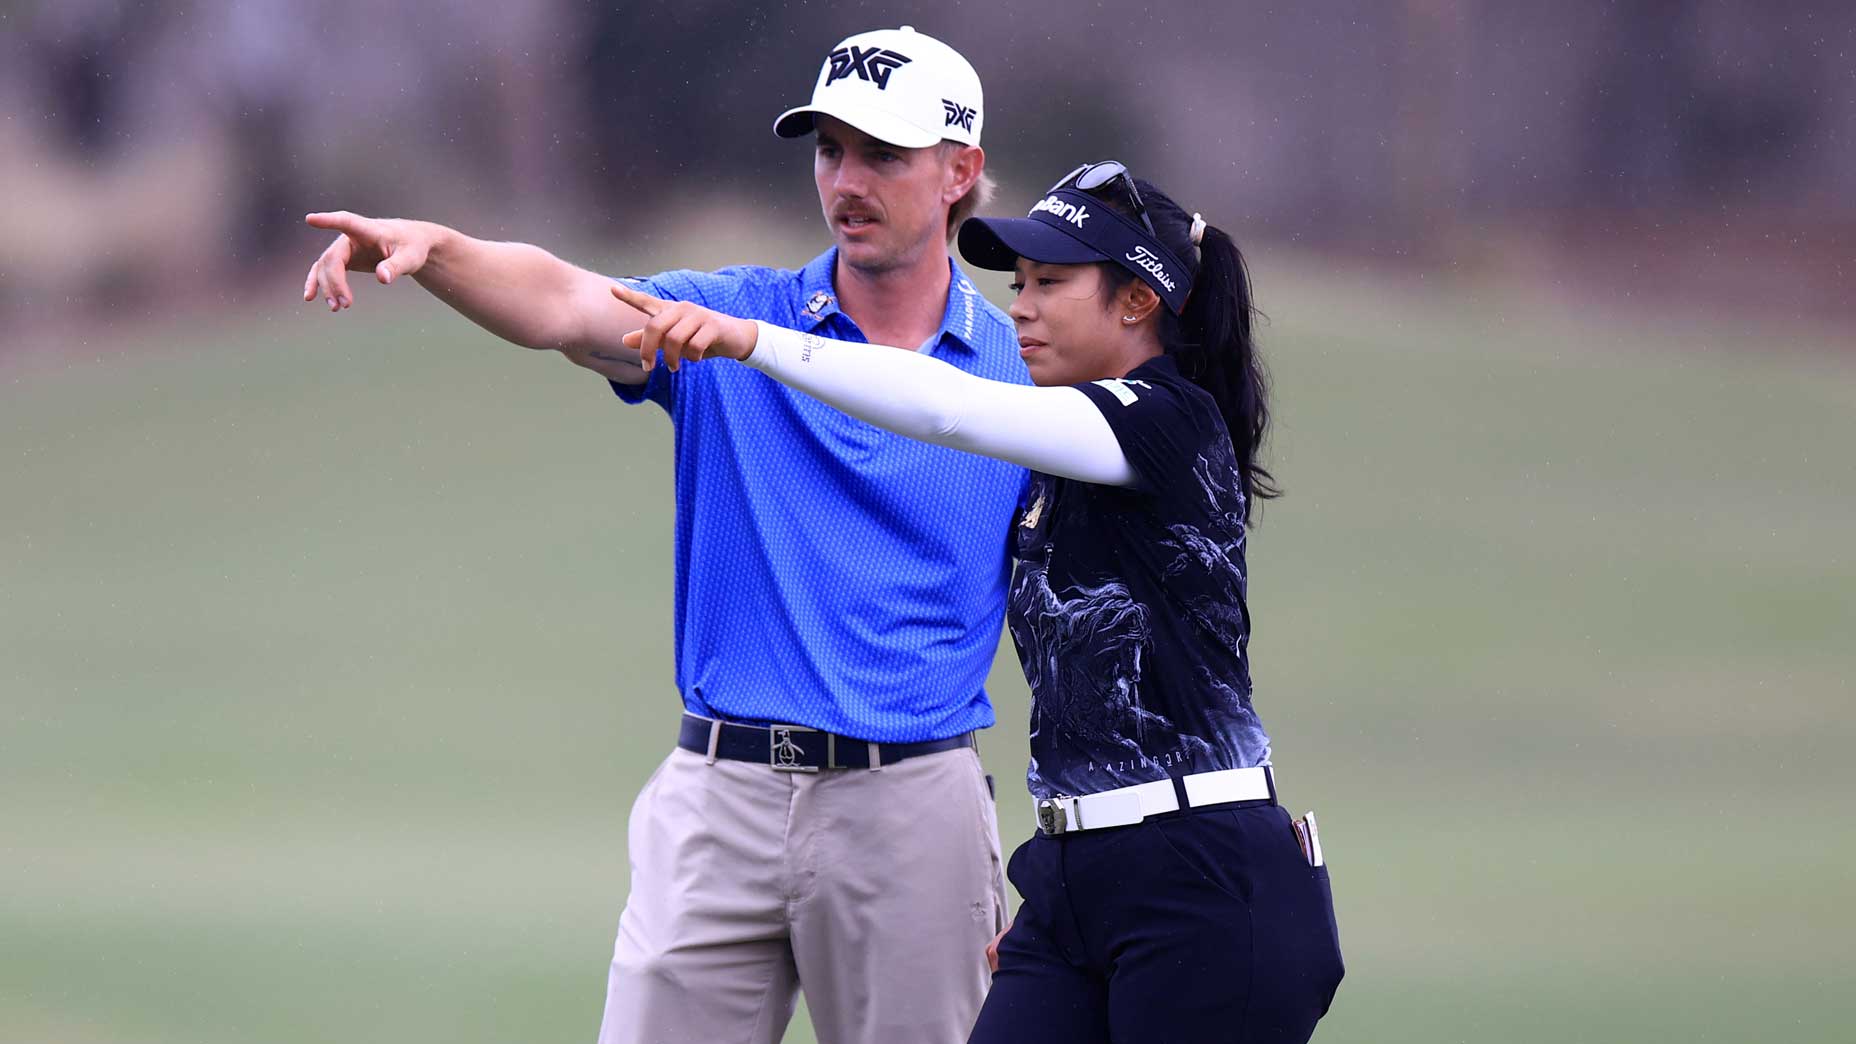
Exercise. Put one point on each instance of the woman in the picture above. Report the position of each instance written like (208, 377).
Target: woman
(1167, 896)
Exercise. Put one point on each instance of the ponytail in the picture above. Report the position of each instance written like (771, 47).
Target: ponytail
(1218, 352)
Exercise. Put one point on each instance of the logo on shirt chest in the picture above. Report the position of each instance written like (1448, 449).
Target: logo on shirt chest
(1030, 521)
(1033, 532)
(817, 303)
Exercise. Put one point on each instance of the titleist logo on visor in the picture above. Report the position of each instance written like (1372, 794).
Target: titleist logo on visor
(868, 63)
(1150, 261)
(1070, 212)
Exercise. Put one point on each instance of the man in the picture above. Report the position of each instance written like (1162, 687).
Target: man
(824, 822)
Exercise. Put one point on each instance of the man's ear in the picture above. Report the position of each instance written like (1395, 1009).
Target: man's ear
(968, 163)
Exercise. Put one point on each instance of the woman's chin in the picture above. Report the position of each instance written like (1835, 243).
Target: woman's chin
(1044, 373)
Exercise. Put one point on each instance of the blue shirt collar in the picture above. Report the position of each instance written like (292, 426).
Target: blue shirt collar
(817, 301)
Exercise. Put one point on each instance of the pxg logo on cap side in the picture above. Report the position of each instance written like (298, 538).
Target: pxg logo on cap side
(1070, 212)
(873, 64)
(958, 115)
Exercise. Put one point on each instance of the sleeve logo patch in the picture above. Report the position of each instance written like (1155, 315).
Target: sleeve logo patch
(1122, 389)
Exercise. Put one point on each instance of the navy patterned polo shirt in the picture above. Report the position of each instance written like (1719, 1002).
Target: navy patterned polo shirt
(1128, 605)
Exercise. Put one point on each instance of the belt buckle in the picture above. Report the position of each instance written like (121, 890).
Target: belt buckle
(782, 753)
(1051, 815)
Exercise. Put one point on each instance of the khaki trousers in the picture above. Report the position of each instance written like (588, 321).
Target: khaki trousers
(874, 891)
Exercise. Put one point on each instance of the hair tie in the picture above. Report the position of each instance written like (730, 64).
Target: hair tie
(1198, 228)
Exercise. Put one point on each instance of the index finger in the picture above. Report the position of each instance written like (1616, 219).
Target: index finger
(335, 221)
(637, 299)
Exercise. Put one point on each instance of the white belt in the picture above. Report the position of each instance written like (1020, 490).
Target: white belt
(1129, 805)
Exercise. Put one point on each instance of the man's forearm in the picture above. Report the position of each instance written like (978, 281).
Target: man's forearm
(524, 294)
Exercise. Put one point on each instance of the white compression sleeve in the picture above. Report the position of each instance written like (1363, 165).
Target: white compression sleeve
(1058, 431)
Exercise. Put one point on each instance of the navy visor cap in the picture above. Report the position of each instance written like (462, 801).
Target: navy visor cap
(1068, 227)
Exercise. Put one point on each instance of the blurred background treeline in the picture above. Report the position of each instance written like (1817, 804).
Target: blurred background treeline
(1705, 148)
(334, 648)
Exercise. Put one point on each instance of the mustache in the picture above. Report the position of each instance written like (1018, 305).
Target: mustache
(851, 210)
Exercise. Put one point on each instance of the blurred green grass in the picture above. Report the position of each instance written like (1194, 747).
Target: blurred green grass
(332, 651)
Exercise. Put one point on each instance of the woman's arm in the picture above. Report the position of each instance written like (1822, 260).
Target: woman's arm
(1054, 430)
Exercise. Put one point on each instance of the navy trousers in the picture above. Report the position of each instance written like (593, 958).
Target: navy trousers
(1196, 926)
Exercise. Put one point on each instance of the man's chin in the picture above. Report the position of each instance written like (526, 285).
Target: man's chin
(865, 256)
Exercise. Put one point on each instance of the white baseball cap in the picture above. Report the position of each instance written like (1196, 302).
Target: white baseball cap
(896, 85)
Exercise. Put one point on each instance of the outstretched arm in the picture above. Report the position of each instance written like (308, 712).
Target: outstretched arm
(518, 292)
(1058, 431)
(1054, 430)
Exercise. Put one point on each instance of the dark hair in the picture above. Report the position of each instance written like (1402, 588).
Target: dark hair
(1212, 342)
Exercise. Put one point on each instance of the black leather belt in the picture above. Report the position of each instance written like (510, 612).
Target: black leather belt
(795, 748)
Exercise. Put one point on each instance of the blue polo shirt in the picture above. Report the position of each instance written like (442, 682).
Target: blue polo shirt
(828, 573)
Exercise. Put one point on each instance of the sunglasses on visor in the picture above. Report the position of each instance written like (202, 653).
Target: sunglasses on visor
(1092, 176)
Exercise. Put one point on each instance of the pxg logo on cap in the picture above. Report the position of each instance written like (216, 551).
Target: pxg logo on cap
(874, 64)
(896, 85)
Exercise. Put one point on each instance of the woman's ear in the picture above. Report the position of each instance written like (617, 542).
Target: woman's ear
(1137, 302)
